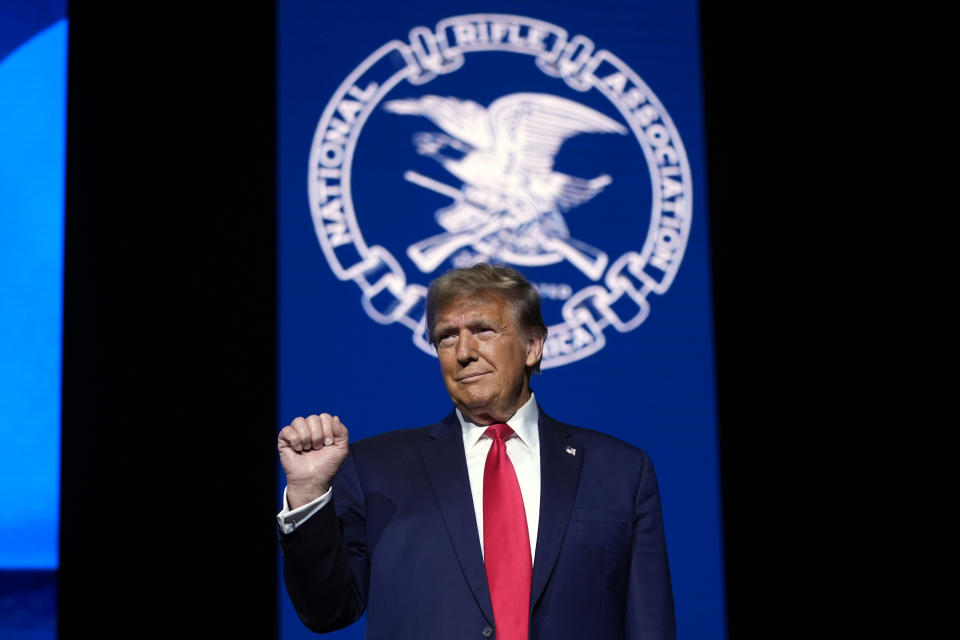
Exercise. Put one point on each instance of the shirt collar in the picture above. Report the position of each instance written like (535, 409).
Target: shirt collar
(525, 424)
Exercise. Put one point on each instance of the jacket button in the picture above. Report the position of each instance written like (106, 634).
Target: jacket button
(487, 631)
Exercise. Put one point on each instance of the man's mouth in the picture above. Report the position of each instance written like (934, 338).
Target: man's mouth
(467, 377)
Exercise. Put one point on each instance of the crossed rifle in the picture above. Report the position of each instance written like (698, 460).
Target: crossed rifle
(430, 252)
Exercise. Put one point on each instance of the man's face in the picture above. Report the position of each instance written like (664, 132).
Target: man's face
(484, 357)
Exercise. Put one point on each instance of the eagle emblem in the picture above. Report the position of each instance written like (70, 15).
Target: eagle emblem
(511, 202)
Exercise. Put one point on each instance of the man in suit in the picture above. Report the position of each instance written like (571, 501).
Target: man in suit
(497, 522)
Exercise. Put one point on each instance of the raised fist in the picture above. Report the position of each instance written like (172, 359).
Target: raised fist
(311, 451)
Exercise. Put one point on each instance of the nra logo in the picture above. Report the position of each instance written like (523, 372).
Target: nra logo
(500, 138)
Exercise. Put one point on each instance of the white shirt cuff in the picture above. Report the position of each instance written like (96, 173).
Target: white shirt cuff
(289, 519)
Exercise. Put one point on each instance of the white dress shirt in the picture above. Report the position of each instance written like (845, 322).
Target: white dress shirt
(523, 449)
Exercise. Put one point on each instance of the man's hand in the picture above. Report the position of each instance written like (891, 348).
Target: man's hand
(311, 451)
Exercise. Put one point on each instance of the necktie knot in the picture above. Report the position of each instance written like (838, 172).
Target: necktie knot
(500, 430)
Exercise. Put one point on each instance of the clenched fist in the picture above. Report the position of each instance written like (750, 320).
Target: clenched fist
(311, 451)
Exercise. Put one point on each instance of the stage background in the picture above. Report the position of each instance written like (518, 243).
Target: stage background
(33, 82)
(169, 418)
(652, 386)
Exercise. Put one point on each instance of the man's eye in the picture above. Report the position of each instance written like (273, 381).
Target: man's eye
(486, 333)
(447, 341)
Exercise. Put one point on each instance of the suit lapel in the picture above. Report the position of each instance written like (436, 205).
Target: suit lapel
(560, 460)
(446, 467)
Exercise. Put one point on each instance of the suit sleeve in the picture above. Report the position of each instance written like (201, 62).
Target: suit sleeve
(325, 564)
(650, 613)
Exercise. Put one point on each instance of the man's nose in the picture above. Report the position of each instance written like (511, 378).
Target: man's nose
(466, 348)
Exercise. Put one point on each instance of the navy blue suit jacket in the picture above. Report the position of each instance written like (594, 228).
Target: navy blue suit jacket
(401, 542)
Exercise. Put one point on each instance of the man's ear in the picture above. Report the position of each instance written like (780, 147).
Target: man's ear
(534, 349)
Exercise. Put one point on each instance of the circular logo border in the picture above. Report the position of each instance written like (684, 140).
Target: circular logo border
(620, 298)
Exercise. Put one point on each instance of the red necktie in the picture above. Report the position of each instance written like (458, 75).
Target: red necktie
(506, 541)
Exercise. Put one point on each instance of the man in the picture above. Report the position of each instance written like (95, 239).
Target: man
(498, 522)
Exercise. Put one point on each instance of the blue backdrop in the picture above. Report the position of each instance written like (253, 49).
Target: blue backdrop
(33, 62)
(376, 199)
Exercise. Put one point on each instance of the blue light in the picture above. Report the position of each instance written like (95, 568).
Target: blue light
(32, 156)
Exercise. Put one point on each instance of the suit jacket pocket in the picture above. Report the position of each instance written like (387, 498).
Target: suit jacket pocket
(603, 515)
